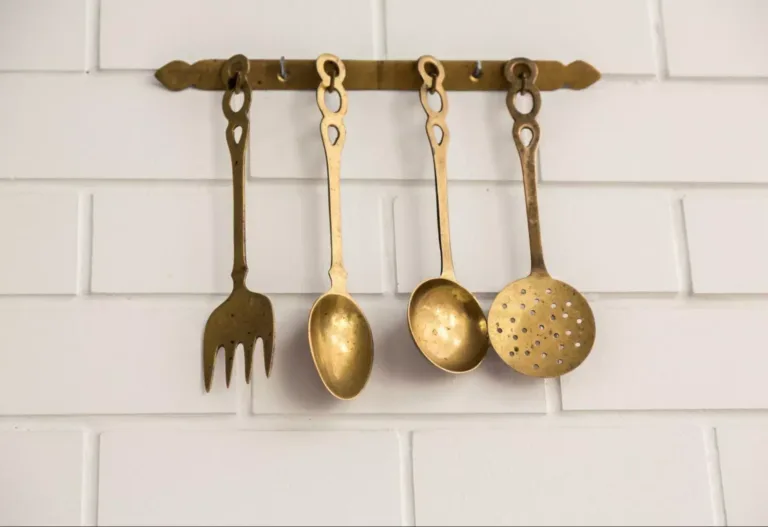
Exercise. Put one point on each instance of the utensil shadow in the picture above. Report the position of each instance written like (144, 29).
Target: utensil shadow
(397, 359)
(303, 384)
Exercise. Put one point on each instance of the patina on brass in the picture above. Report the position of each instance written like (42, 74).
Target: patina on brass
(244, 316)
(461, 75)
(446, 321)
(538, 325)
(340, 337)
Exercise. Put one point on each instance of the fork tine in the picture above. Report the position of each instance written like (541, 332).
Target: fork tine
(268, 343)
(210, 350)
(248, 351)
(229, 353)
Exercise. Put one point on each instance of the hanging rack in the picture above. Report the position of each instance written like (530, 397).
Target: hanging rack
(397, 75)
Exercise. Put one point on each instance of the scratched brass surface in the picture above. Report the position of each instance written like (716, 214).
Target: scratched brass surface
(538, 325)
(266, 74)
(244, 316)
(340, 337)
(446, 322)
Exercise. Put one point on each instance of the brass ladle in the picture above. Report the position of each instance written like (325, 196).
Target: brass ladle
(446, 321)
(539, 326)
(340, 337)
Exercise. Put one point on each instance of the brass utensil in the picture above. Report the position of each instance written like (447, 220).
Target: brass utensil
(539, 326)
(446, 321)
(340, 338)
(244, 316)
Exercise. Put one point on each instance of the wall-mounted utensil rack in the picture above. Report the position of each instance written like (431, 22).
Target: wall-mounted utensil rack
(397, 75)
(340, 336)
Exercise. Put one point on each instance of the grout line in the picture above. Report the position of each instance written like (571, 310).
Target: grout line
(389, 247)
(259, 183)
(669, 299)
(658, 39)
(383, 422)
(379, 28)
(682, 252)
(715, 477)
(553, 396)
(92, 32)
(407, 492)
(89, 508)
(84, 243)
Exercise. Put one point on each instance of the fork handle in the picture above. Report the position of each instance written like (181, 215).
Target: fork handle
(235, 77)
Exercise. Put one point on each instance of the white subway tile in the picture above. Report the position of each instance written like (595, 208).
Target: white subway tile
(41, 478)
(46, 142)
(110, 127)
(402, 380)
(653, 356)
(181, 242)
(249, 478)
(106, 357)
(561, 476)
(38, 233)
(42, 35)
(146, 34)
(709, 38)
(744, 470)
(655, 132)
(598, 240)
(386, 137)
(725, 240)
(615, 37)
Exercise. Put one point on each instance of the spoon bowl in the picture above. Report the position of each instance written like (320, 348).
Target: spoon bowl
(448, 325)
(341, 344)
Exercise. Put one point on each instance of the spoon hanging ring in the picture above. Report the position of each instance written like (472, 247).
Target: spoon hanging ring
(446, 322)
(539, 326)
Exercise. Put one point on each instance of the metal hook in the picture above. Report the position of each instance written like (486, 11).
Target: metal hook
(478, 71)
(283, 71)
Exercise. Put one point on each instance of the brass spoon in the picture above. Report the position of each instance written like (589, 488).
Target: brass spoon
(446, 321)
(340, 337)
(540, 326)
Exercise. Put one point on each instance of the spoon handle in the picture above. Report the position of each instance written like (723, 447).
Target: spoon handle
(432, 74)
(332, 73)
(521, 74)
(235, 76)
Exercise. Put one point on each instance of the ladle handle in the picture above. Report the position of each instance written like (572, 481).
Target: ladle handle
(234, 73)
(332, 81)
(521, 75)
(432, 74)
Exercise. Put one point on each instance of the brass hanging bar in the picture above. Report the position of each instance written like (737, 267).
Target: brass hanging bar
(398, 75)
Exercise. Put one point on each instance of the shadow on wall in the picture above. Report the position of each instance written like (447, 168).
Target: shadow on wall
(402, 380)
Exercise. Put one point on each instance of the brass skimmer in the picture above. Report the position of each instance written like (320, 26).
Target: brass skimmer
(538, 325)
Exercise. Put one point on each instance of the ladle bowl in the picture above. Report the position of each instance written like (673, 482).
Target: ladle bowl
(448, 325)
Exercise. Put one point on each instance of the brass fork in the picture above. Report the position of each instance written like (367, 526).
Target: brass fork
(244, 316)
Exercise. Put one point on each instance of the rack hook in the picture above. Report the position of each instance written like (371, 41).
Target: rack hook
(283, 71)
(478, 71)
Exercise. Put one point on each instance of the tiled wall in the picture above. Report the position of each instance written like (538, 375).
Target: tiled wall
(115, 228)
